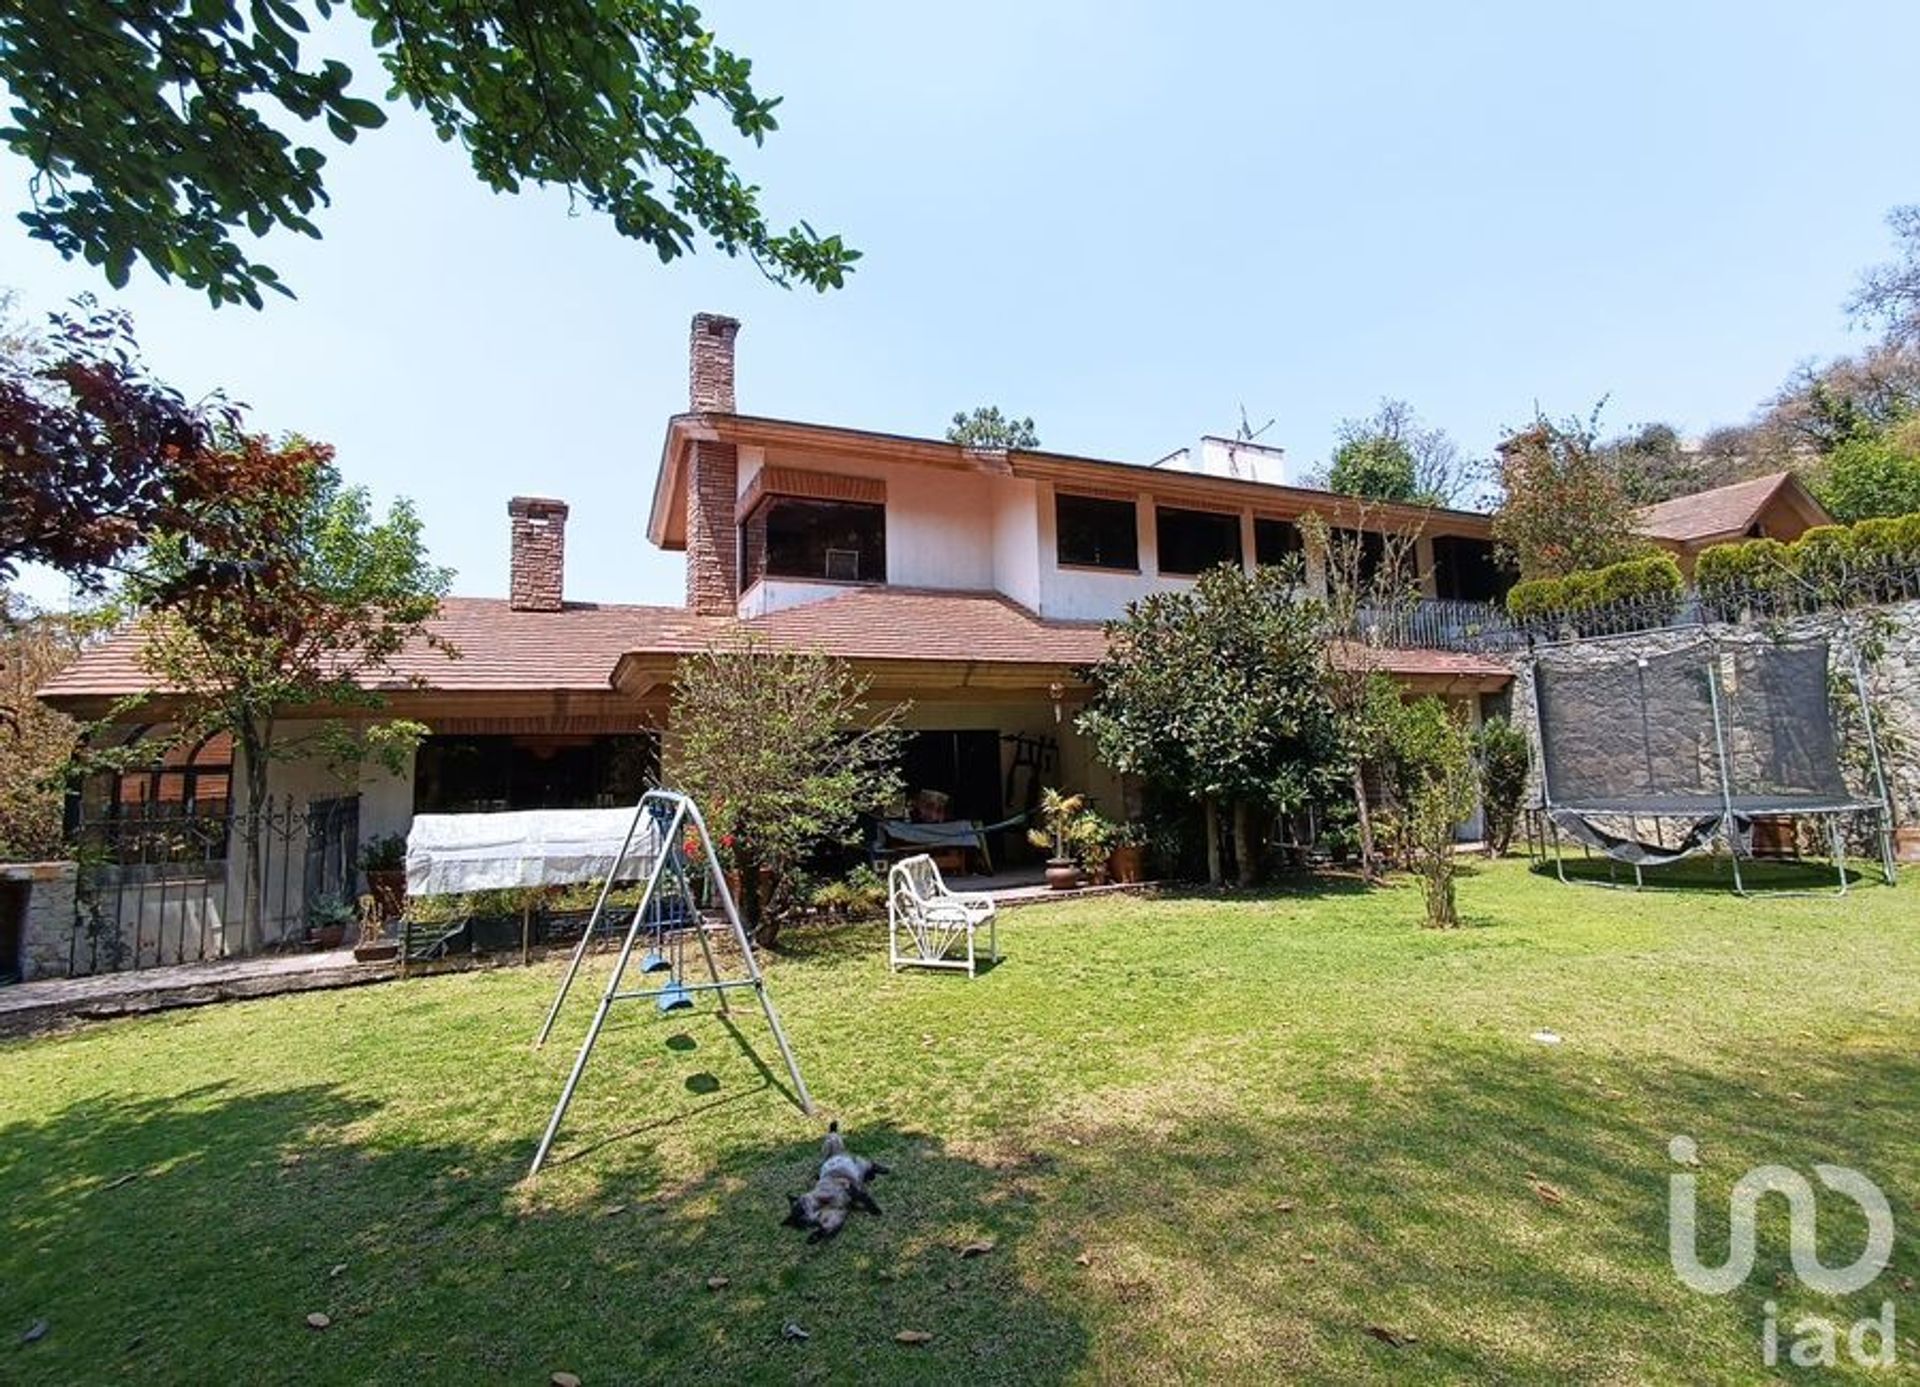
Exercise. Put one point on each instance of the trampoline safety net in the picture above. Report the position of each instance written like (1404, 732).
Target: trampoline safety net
(1645, 756)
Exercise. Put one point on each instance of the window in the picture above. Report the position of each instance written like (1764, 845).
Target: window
(1192, 541)
(793, 537)
(1094, 532)
(1275, 541)
(459, 775)
(192, 780)
(1466, 570)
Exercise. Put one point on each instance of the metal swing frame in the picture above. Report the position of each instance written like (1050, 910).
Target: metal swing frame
(1728, 829)
(681, 814)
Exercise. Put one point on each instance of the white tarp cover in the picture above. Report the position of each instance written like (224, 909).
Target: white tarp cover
(452, 853)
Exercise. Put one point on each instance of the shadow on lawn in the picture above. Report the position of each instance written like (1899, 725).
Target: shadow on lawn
(248, 1211)
(1505, 1212)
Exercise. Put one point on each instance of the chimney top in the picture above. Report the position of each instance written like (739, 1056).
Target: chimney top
(539, 554)
(710, 363)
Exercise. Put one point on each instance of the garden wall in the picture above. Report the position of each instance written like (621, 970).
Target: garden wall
(1893, 679)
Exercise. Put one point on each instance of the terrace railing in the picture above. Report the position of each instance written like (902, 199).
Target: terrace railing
(1485, 627)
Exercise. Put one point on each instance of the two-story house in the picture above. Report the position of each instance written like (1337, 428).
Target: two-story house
(972, 584)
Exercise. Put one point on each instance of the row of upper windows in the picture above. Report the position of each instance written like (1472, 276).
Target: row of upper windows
(846, 541)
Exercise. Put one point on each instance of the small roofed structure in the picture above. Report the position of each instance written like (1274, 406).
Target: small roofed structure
(1776, 506)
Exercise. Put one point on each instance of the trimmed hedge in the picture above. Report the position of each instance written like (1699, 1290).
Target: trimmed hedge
(1760, 570)
(1655, 581)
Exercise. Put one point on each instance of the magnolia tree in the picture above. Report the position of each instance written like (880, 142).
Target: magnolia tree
(1212, 693)
(784, 755)
(317, 596)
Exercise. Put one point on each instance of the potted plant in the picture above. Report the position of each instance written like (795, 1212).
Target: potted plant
(327, 921)
(1093, 839)
(1127, 862)
(373, 945)
(1057, 812)
(384, 860)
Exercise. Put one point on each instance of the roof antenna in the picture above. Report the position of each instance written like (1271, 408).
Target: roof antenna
(1246, 433)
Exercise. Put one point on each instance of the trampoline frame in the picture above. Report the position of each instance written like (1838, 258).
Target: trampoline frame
(1728, 830)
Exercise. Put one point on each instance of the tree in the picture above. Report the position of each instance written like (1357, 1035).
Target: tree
(783, 754)
(1210, 693)
(1433, 777)
(323, 595)
(155, 132)
(1370, 579)
(35, 741)
(1889, 293)
(1653, 464)
(1562, 508)
(1500, 750)
(1392, 456)
(986, 427)
(1872, 475)
(100, 455)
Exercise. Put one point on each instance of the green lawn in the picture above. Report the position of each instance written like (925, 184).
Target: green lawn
(1209, 1139)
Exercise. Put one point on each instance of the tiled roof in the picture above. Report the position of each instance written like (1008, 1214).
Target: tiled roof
(500, 649)
(922, 624)
(503, 650)
(1725, 510)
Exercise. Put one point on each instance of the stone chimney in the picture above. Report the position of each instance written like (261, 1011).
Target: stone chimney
(713, 474)
(539, 553)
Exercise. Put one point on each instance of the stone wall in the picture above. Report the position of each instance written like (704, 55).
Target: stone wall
(1893, 679)
(46, 938)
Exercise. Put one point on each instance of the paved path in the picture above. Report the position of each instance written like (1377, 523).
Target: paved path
(34, 1006)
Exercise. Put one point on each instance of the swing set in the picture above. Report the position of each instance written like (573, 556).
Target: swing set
(668, 914)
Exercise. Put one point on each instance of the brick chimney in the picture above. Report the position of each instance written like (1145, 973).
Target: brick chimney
(539, 553)
(713, 473)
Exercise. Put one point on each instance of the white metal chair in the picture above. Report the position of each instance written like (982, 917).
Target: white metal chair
(933, 918)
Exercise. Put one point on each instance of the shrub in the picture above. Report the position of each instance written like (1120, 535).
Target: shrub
(1654, 582)
(1500, 748)
(1434, 782)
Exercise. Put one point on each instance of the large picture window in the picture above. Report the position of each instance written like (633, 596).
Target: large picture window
(1467, 570)
(794, 537)
(1096, 532)
(1192, 541)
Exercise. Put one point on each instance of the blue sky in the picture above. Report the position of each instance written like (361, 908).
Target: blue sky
(1125, 220)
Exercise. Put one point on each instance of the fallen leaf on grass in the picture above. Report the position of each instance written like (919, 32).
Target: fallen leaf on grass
(913, 1336)
(718, 1283)
(35, 1332)
(1286, 1206)
(1308, 1258)
(1083, 1260)
(613, 1211)
(1392, 1338)
(120, 1180)
(794, 1333)
(340, 1269)
(318, 1321)
(977, 1249)
(1548, 1193)
(564, 1380)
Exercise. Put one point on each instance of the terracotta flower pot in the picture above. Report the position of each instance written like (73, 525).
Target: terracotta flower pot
(1906, 843)
(1128, 864)
(1063, 874)
(326, 937)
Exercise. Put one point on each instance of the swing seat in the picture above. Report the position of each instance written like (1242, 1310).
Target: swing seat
(674, 997)
(655, 962)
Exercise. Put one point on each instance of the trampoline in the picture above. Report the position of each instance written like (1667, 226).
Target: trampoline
(1652, 758)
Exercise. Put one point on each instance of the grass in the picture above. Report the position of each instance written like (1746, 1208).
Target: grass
(1210, 1139)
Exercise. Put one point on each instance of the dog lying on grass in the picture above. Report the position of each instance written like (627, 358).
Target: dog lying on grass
(840, 1188)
